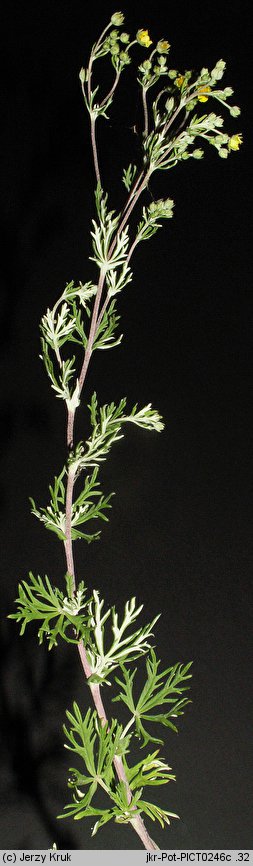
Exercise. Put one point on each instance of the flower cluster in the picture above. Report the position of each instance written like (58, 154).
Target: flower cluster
(117, 44)
(155, 66)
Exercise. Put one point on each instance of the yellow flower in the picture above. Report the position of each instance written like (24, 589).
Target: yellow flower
(202, 91)
(179, 80)
(143, 38)
(235, 141)
(163, 46)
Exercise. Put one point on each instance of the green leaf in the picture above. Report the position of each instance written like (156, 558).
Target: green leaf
(60, 382)
(150, 215)
(105, 338)
(162, 688)
(107, 423)
(151, 771)
(129, 175)
(39, 601)
(90, 504)
(124, 647)
(156, 812)
(97, 745)
(56, 329)
(103, 234)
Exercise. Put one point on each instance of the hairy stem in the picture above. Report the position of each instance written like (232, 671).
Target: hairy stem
(94, 147)
(108, 96)
(130, 206)
(171, 121)
(132, 191)
(92, 332)
(136, 822)
(107, 299)
(145, 109)
(68, 542)
(180, 108)
(95, 315)
(132, 248)
(70, 426)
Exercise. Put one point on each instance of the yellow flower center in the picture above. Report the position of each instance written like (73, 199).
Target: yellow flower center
(143, 38)
(202, 91)
(179, 80)
(163, 45)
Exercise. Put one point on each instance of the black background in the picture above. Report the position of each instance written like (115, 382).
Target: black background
(180, 531)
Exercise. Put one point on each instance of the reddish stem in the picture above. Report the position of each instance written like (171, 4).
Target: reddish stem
(136, 822)
(68, 540)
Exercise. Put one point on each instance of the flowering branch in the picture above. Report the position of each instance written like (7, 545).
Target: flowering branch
(87, 315)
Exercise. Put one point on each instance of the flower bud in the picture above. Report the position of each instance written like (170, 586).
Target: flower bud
(82, 75)
(198, 153)
(169, 105)
(114, 48)
(147, 64)
(117, 19)
(235, 111)
(163, 46)
(124, 57)
(113, 35)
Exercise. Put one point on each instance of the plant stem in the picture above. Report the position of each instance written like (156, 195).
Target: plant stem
(92, 332)
(132, 248)
(70, 425)
(145, 109)
(180, 108)
(94, 147)
(95, 314)
(136, 822)
(128, 726)
(107, 299)
(68, 542)
(132, 191)
(117, 76)
(129, 207)
(92, 119)
(167, 125)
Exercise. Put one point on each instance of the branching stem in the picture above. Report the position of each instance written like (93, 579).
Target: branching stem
(97, 316)
(108, 96)
(136, 822)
